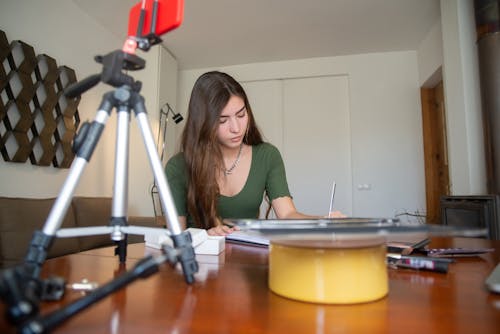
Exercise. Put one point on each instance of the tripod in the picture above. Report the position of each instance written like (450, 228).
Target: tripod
(21, 287)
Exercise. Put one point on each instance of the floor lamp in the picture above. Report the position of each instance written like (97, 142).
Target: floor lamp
(160, 145)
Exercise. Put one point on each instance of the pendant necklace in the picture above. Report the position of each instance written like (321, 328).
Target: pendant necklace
(235, 163)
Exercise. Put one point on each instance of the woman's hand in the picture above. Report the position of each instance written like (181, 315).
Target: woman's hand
(222, 230)
(336, 214)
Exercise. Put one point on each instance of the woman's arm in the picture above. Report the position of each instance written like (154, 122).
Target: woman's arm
(183, 222)
(284, 208)
(217, 230)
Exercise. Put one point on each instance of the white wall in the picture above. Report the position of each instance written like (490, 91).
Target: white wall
(386, 126)
(449, 52)
(462, 98)
(70, 36)
(430, 57)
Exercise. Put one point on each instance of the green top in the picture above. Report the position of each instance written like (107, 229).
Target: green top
(267, 173)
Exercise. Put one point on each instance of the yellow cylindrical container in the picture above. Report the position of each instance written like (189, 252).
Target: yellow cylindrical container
(329, 271)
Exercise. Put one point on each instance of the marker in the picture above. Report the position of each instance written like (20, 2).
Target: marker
(419, 262)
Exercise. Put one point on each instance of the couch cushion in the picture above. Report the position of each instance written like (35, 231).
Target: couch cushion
(140, 221)
(93, 211)
(19, 218)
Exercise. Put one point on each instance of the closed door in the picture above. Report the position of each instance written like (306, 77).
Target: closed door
(308, 120)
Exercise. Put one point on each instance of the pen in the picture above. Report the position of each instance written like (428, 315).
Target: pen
(397, 256)
(331, 199)
(419, 262)
(421, 243)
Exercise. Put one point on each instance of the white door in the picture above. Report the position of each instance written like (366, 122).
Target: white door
(266, 100)
(308, 120)
(317, 139)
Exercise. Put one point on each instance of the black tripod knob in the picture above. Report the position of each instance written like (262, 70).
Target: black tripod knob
(80, 136)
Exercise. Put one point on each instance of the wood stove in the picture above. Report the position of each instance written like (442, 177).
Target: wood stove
(472, 211)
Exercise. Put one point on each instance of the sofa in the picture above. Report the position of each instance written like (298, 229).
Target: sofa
(20, 217)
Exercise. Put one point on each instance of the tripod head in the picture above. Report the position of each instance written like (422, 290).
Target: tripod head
(148, 20)
(112, 73)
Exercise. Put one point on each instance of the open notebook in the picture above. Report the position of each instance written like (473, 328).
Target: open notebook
(247, 238)
(261, 240)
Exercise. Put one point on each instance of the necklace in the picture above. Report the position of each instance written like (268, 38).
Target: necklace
(235, 163)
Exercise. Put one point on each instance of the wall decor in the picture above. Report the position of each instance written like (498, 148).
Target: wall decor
(37, 122)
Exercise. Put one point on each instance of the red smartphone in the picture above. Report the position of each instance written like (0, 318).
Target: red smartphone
(155, 16)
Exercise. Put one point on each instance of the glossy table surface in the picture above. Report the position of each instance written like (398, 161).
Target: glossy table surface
(230, 295)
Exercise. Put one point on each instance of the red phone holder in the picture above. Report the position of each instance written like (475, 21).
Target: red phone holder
(149, 19)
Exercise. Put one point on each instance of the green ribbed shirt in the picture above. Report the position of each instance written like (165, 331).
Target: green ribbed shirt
(267, 175)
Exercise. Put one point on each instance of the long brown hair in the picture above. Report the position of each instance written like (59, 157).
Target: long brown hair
(210, 94)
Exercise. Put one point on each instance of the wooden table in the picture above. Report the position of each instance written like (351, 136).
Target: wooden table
(230, 295)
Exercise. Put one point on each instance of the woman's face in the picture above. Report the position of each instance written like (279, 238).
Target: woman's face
(233, 123)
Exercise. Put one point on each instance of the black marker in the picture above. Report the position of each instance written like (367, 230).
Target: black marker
(419, 262)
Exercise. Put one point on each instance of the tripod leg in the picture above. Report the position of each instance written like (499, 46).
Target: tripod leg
(120, 188)
(154, 160)
(182, 240)
(41, 241)
(46, 323)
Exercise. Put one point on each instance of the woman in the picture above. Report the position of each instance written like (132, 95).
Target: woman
(224, 167)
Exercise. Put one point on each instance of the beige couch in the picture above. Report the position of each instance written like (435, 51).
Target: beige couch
(20, 217)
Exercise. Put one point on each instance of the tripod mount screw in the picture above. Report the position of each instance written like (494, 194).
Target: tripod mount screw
(122, 94)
